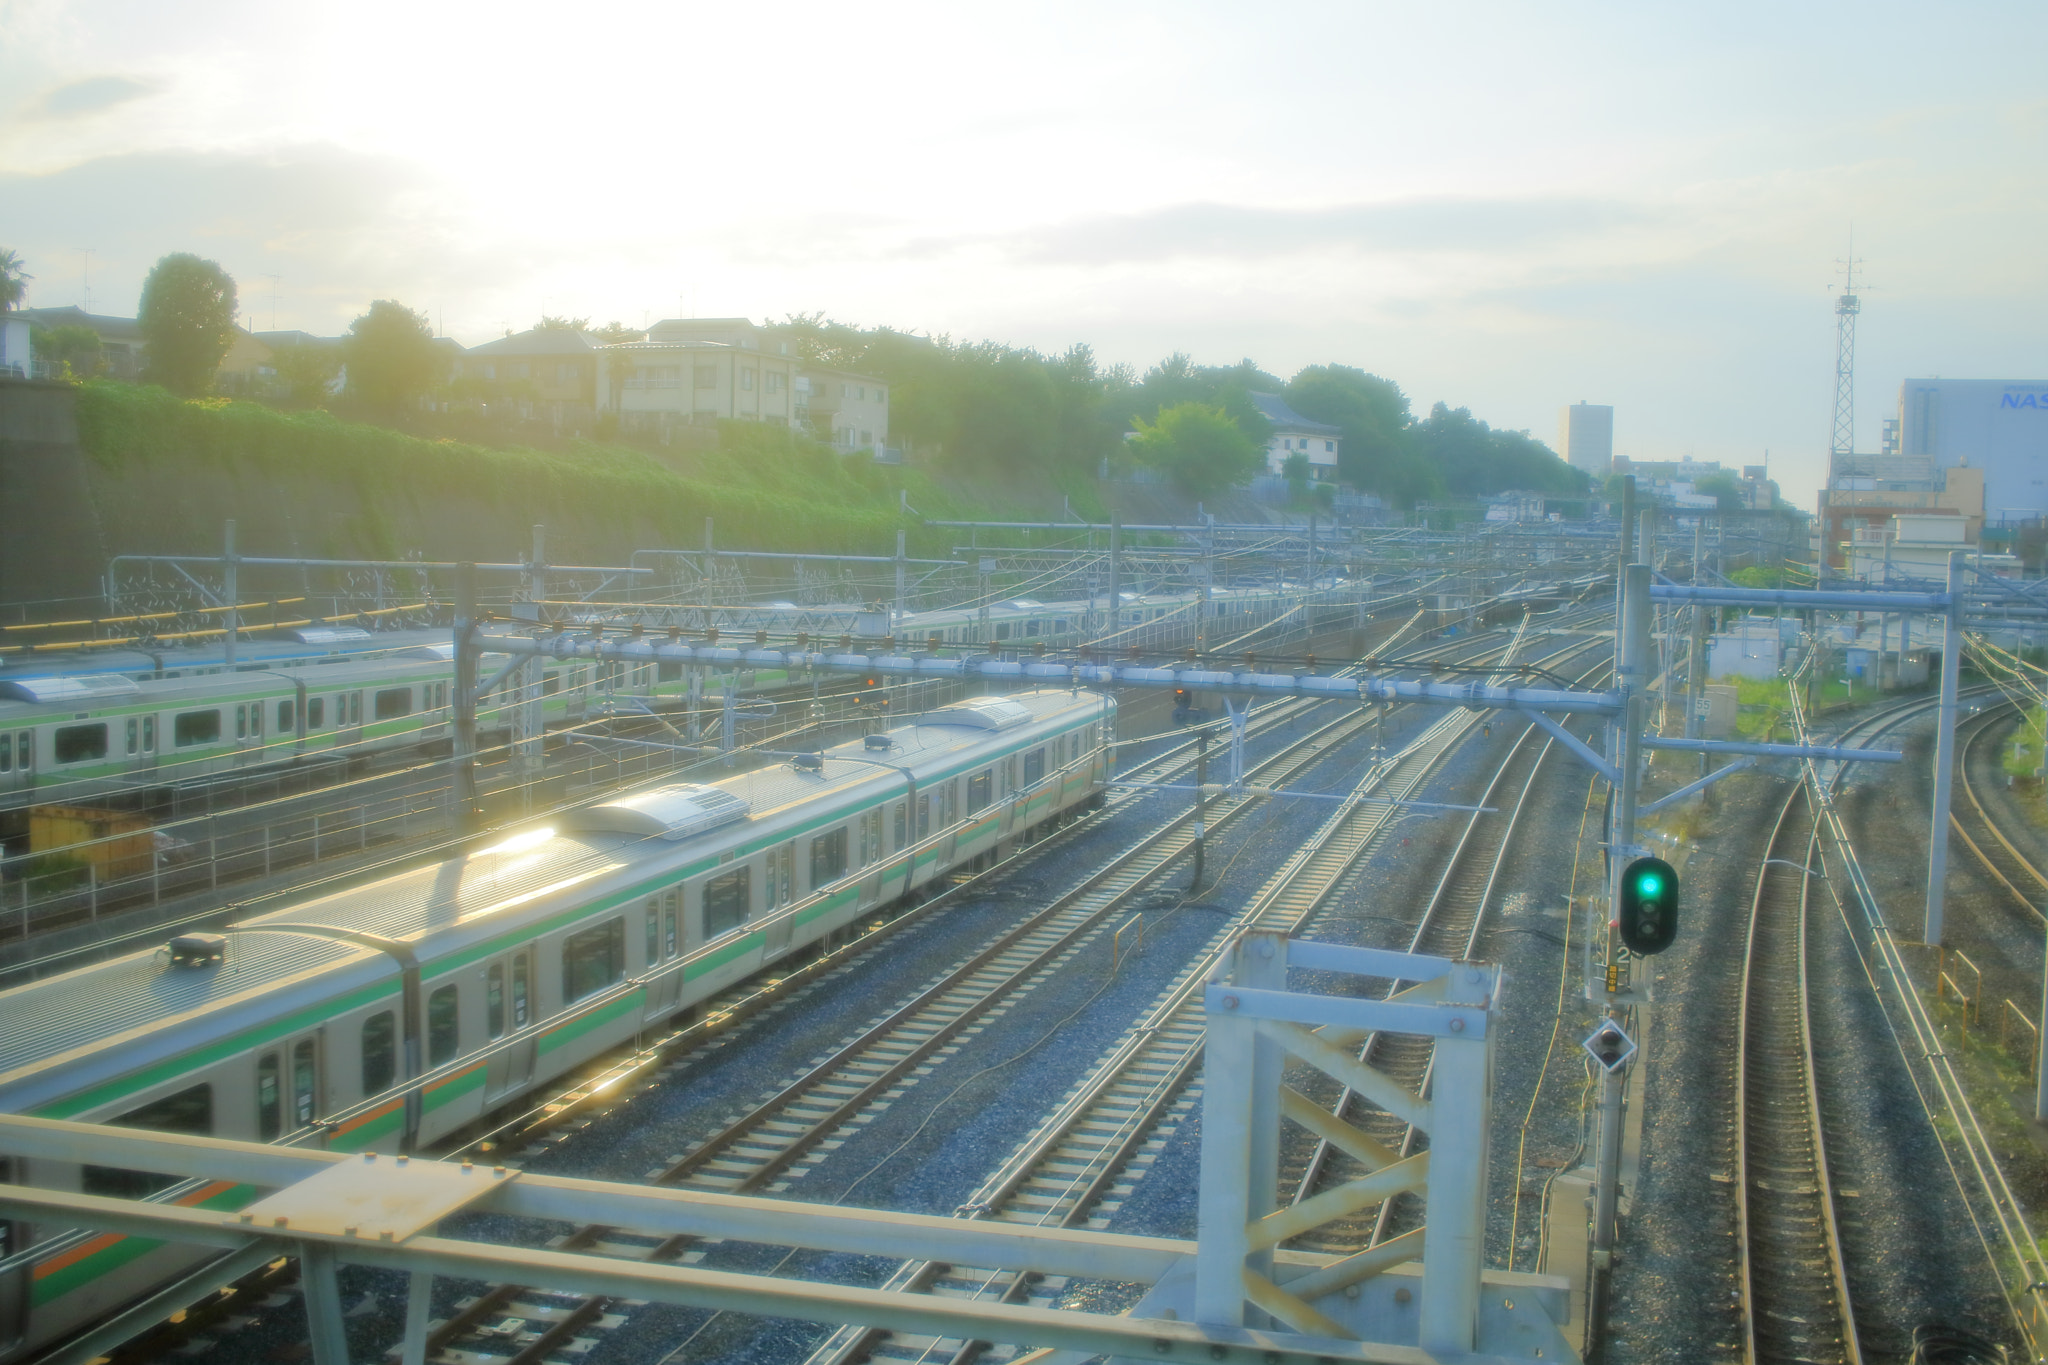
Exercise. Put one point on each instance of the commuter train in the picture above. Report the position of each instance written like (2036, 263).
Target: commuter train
(392, 1015)
(75, 737)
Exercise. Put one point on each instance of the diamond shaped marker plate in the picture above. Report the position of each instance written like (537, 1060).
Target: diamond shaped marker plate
(1628, 1046)
(374, 1198)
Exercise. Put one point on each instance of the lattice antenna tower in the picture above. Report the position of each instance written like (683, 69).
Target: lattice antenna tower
(1847, 306)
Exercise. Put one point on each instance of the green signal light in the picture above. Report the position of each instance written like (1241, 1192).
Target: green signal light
(1650, 884)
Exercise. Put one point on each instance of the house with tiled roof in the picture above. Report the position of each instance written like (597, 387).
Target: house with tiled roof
(1294, 434)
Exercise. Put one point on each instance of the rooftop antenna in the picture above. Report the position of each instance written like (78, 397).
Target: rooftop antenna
(273, 300)
(1847, 306)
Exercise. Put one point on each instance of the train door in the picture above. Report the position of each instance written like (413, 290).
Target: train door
(248, 732)
(511, 1002)
(14, 1284)
(348, 718)
(288, 1089)
(17, 759)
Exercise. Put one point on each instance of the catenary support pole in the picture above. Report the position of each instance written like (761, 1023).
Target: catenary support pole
(230, 590)
(1116, 582)
(893, 623)
(1201, 804)
(465, 699)
(1944, 749)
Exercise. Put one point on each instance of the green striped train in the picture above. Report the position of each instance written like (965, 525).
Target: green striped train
(392, 1015)
(71, 737)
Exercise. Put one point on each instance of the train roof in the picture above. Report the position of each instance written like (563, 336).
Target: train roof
(284, 648)
(109, 1018)
(27, 700)
(522, 881)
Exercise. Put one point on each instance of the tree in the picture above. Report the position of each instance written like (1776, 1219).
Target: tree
(1375, 452)
(1199, 446)
(73, 352)
(14, 280)
(1476, 460)
(550, 323)
(1296, 471)
(306, 370)
(613, 333)
(391, 357)
(1724, 488)
(187, 318)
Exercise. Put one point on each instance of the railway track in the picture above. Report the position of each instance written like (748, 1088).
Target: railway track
(1795, 1287)
(772, 1142)
(1075, 1168)
(1449, 927)
(2016, 874)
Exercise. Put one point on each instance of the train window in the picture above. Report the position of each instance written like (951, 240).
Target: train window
(924, 816)
(653, 930)
(1030, 628)
(1002, 630)
(444, 1025)
(441, 695)
(316, 712)
(870, 836)
(6, 754)
(726, 901)
(133, 734)
(355, 708)
(380, 1052)
(902, 823)
(1034, 766)
(828, 858)
(593, 959)
(190, 1111)
(304, 1081)
(550, 684)
(393, 702)
(668, 924)
(196, 727)
(781, 866)
(494, 999)
(149, 734)
(978, 789)
(241, 722)
(521, 990)
(284, 716)
(80, 743)
(269, 1097)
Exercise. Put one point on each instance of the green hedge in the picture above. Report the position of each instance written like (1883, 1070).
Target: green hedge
(767, 488)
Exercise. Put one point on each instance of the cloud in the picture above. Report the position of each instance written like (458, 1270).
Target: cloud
(93, 95)
(1236, 231)
(336, 224)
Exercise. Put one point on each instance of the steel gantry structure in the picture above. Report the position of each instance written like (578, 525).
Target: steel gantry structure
(1231, 1294)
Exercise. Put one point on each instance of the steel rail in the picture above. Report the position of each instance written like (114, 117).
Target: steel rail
(2020, 865)
(1043, 939)
(1115, 1115)
(1450, 925)
(1796, 1304)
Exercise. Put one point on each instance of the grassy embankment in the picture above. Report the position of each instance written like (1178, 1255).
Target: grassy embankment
(766, 487)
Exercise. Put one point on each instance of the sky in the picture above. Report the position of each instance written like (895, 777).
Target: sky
(1505, 207)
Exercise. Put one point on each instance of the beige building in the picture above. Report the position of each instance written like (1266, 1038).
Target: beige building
(851, 411)
(1918, 545)
(705, 370)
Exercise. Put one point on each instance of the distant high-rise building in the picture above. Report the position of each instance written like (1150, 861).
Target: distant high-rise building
(1997, 425)
(1585, 437)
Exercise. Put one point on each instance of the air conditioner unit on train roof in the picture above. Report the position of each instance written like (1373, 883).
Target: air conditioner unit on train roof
(981, 713)
(678, 812)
